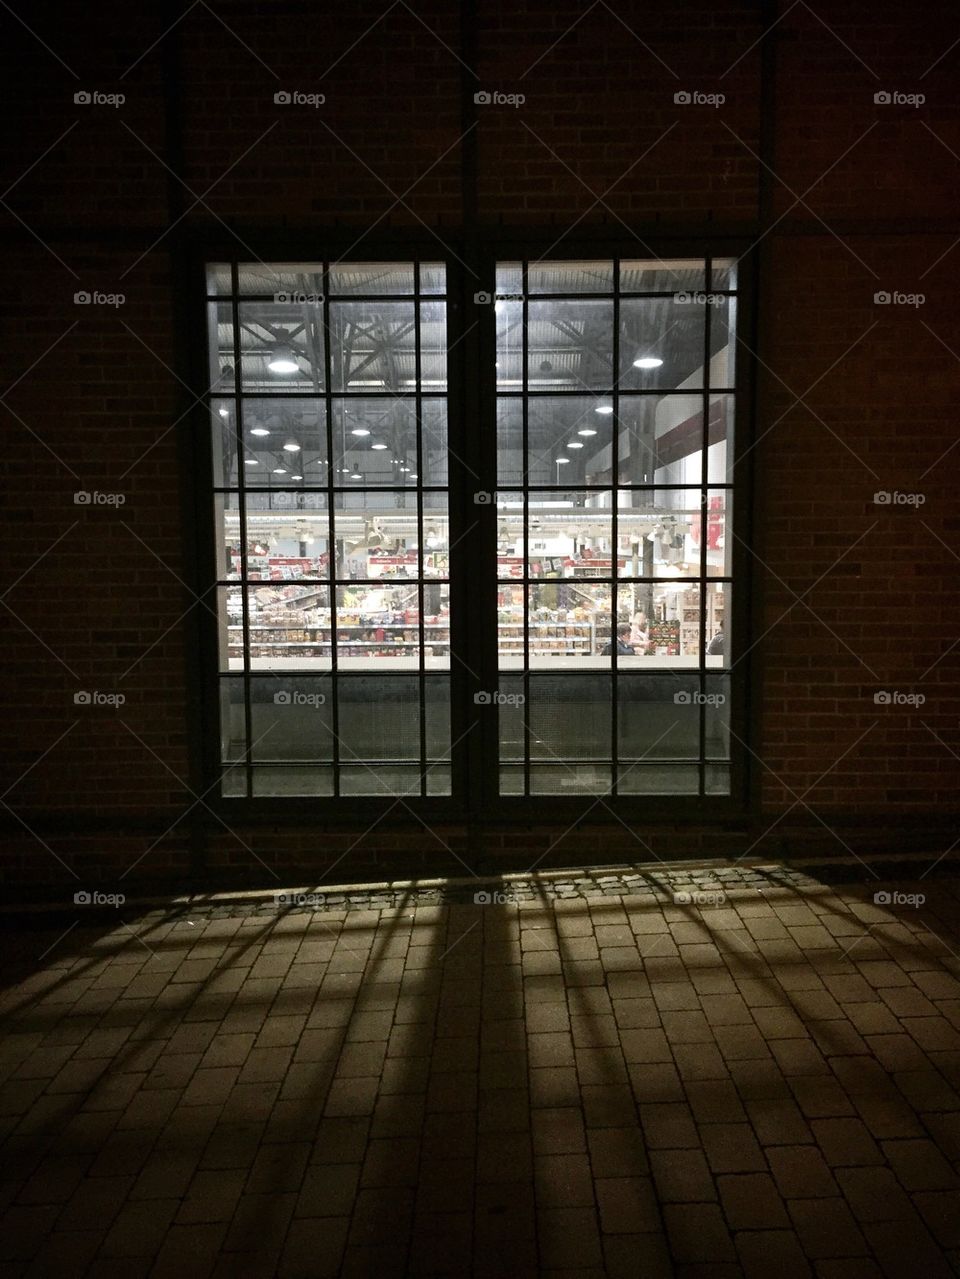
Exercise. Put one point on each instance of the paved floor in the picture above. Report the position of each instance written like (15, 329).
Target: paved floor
(756, 1078)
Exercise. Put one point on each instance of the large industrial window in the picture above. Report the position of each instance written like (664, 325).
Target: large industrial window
(330, 473)
(615, 409)
(602, 655)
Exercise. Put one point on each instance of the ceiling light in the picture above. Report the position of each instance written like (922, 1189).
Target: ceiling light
(359, 430)
(647, 362)
(605, 409)
(296, 477)
(575, 444)
(291, 446)
(224, 412)
(561, 461)
(378, 446)
(283, 359)
(356, 476)
(587, 430)
(250, 461)
(259, 430)
(279, 470)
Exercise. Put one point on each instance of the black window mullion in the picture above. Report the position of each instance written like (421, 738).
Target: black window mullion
(331, 532)
(244, 568)
(418, 402)
(525, 474)
(614, 535)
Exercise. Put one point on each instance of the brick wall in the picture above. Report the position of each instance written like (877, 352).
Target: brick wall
(850, 198)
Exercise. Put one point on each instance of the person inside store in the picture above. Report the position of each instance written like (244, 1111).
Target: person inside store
(715, 647)
(639, 634)
(624, 647)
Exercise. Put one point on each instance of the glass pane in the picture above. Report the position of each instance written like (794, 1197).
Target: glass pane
(377, 535)
(717, 779)
(220, 363)
(658, 779)
(662, 275)
(570, 779)
(658, 717)
(717, 717)
(439, 780)
(717, 624)
(509, 277)
(510, 701)
(291, 719)
(723, 328)
(661, 343)
(373, 346)
(381, 780)
(570, 346)
(660, 439)
(437, 717)
(298, 280)
(509, 345)
(315, 779)
(284, 442)
(230, 628)
(569, 534)
(570, 277)
(375, 442)
(218, 278)
(229, 539)
(371, 278)
(723, 274)
(282, 346)
(569, 717)
(289, 627)
(720, 457)
(379, 719)
(433, 346)
(379, 626)
(569, 625)
(233, 729)
(433, 277)
(659, 533)
(287, 536)
(568, 440)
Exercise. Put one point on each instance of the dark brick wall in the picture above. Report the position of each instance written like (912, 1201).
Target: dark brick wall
(846, 196)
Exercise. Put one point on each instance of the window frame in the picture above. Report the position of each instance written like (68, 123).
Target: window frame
(472, 393)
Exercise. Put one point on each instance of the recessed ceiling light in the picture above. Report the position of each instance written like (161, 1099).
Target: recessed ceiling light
(259, 430)
(283, 360)
(605, 409)
(587, 430)
(647, 362)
